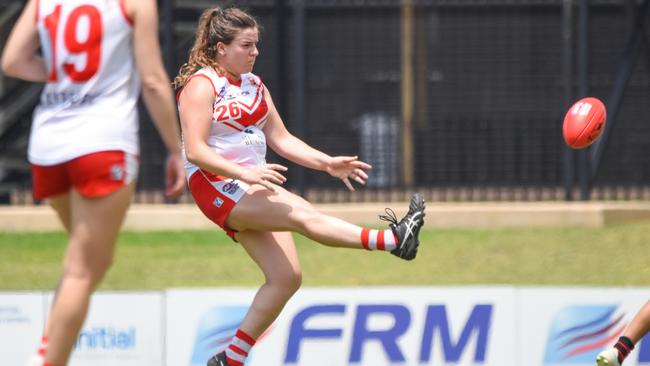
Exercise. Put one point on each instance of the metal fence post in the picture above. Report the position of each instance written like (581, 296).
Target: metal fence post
(568, 156)
(583, 89)
(407, 92)
(630, 55)
(298, 123)
(168, 36)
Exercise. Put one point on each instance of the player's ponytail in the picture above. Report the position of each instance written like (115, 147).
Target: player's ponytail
(215, 25)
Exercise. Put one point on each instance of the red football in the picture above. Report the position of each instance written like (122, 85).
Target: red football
(584, 122)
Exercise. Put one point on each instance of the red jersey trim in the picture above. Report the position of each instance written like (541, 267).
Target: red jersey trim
(233, 82)
(178, 94)
(258, 114)
(257, 95)
(124, 13)
(249, 119)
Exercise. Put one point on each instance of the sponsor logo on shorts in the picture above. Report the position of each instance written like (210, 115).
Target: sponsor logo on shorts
(117, 172)
(217, 202)
(230, 187)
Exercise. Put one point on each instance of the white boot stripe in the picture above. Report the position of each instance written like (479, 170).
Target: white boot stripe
(235, 356)
(241, 344)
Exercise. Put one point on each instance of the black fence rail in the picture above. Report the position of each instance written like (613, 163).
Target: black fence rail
(431, 194)
(489, 92)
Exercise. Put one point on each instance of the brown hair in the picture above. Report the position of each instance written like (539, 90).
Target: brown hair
(215, 25)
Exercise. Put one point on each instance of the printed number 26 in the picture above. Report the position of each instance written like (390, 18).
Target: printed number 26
(91, 46)
(231, 111)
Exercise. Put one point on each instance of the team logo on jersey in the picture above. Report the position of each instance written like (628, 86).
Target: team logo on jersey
(117, 172)
(220, 95)
(230, 187)
(218, 202)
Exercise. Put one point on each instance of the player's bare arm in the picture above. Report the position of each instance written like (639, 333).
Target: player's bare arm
(20, 58)
(156, 93)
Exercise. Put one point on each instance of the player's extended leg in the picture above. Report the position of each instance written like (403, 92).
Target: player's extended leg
(264, 210)
(94, 226)
(275, 254)
(639, 326)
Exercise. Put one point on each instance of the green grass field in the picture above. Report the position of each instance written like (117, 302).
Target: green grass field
(611, 256)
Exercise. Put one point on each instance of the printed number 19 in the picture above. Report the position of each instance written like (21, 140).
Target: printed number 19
(91, 47)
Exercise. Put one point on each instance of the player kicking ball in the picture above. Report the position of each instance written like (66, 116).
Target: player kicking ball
(228, 119)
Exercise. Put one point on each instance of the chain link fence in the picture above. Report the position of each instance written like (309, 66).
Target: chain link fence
(487, 96)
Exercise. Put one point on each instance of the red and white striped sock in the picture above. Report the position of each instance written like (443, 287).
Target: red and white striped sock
(378, 239)
(239, 348)
(42, 348)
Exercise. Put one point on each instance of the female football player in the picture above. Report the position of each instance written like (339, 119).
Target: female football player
(96, 56)
(228, 119)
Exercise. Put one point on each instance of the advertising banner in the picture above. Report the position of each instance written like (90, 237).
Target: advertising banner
(124, 329)
(450, 326)
(569, 327)
(366, 326)
(21, 326)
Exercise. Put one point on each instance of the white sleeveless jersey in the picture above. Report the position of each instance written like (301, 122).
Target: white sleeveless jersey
(239, 114)
(89, 103)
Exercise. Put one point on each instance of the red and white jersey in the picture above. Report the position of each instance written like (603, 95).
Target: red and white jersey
(89, 103)
(238, 116)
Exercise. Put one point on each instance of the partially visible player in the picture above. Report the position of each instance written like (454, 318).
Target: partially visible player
(228, 118)
(96, 57)
(639, 327)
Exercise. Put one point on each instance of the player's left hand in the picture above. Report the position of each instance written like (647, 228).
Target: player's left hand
(348, 168)
(174, 175)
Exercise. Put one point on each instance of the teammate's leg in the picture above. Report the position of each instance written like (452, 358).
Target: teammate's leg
(94, 226)
(275, 254)
(263, 210)
(61, 204)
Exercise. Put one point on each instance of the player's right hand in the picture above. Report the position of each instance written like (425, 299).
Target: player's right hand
(265, 175)
(174, 175)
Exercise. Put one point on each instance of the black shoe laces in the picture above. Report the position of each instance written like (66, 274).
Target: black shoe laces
(389, 216)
